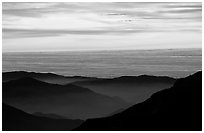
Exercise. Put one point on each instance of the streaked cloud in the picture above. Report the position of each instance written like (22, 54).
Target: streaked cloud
(19, 33)
(50, 19)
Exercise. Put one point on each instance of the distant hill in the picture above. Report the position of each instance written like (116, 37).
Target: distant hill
(50, 115)
(133, 89)
(71, 101)
(46, 77)
(178, 108)
(131, 79)
(29, 87)
(42, 88)
(16, 120)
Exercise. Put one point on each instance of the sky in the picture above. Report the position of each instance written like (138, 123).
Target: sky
(100, 26)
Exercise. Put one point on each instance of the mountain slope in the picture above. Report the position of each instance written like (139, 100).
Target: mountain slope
(29, 87)
(71, 101)
(16, 120)
(46, 77)
(133, 89)
(53, 116)
(176, 108)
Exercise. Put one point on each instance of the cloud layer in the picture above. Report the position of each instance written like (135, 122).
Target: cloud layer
(98, 18)
(41, 20)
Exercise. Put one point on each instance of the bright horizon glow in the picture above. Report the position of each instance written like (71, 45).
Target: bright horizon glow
(33, 27)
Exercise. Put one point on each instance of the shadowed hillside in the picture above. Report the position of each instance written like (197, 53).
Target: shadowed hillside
(29, 87)
(133, 89)
(16, 120)
(71, 101)
(50, 115)
(46, 77)
(176, 108)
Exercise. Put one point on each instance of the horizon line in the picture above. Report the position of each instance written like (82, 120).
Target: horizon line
(97, 50)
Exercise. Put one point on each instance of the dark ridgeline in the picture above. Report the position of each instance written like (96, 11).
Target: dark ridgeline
(46, 77)
(178, 108)
(71, 101)
(16, 120)
(133, 89)
(30, 87)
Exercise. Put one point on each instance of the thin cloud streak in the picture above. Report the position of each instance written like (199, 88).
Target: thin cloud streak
(21, 33)
(16, 33)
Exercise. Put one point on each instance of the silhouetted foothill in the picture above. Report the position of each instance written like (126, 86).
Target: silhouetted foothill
(45, 77)
(178, 108)
(133, 89)
(72, 101)
(16, 120)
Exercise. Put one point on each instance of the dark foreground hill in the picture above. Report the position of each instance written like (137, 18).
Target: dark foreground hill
(71, 101)
(16, 120)
(174, 109)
